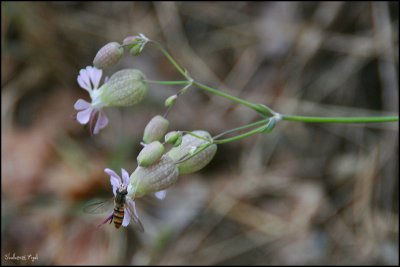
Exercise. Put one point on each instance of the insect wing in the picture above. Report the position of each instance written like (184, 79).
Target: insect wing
(98, 206)
(133, 215)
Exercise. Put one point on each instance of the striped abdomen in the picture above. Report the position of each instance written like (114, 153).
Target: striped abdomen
(118, 215)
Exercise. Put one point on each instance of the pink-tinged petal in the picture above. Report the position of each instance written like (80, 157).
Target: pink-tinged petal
(95, 76)
(106, 79)
(114, 180)
(160, 194)
(84, 115)
(112, 173)
(81, 104)
(101, 122)
(83, 85)
(127, 218)
(125, 176)
(84, 80)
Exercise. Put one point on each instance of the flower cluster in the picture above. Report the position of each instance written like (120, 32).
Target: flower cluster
(157, 169)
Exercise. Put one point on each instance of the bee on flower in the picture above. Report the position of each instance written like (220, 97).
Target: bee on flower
(124, 207)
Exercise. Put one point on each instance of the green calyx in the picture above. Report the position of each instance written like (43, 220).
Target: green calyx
(155, 129)
(125, 88)
(147, 180)
(188, 146)
(150, 154)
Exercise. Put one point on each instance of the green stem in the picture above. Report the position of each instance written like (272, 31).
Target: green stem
(241, 136)
(258, 108)
(169, 82)
(257, 123)
(339, 119)
(263, 109)
(170, 58)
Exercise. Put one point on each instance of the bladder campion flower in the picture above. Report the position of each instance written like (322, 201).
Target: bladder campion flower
(89, 80)
(124, 88)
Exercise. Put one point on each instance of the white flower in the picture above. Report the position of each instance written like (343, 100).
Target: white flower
(91, 113)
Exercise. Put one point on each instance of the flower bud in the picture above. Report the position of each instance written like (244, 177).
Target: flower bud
(130, 40)
(108, 55)
(125, 88)
(198, 161)
(135, 44)
(170, 101)
(173, 138)
(136, 49)
(147, 180)
(150, 154)
(155, 129)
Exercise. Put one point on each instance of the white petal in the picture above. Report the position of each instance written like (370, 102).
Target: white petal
(84, 115)
(81, 104)
(127, 218)
(83, 85)
(112, 173)
(95, 76)
(101, 122)
(114, 179)
(84, 79)
(125, 176)
(160, 194)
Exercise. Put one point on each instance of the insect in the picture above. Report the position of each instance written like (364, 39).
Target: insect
(124, 207)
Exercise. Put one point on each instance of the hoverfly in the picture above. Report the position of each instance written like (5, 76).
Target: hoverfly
(124, 207)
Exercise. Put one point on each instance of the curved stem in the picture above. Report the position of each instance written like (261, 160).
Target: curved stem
(238, 100)
(263, 109)
(339, 119)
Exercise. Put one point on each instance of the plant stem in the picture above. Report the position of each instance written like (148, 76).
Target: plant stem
(263, 109)
(238, 100)
(257, 123)
(169, 82)
(171, 59)
(241, 136)
(339, 119)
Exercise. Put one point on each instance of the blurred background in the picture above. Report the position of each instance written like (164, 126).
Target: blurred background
(303, 194)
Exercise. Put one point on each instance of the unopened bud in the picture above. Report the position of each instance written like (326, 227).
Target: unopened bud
(136, 49)
(125, 88)
(174, 138)
(197, 162)
(147, 180)
(108, 55)
(130, 40)
(135, 44)
(170, 101)
(155, 129)
(150, 154)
